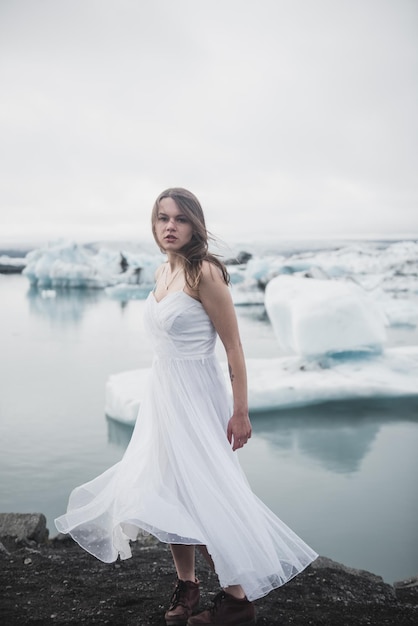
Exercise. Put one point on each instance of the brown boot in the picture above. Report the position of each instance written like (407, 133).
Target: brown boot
(184, 601)
(226, 611)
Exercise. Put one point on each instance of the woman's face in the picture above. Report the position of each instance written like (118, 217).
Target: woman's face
(172, 227)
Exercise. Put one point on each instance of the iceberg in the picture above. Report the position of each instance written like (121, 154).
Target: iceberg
(71, 265)
(378, 267)
(399, 311)
(313, 317)
(292, 381)
(388, 265)
(393, 266)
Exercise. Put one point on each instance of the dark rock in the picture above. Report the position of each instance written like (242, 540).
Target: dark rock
(23, 527)
(59, 583)
(241, 258)
(11, 268)
(407, 590)
(4, 549)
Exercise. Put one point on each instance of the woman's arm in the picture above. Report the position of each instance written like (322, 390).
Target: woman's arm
(217, 301)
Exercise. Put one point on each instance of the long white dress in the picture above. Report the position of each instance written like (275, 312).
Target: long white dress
(179, 478)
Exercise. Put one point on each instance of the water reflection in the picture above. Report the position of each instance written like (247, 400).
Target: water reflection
(62, 306)
(336, 435)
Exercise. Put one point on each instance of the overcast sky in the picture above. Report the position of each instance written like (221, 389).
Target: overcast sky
(287, 118)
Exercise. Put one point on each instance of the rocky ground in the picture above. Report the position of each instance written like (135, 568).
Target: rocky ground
(55, 582)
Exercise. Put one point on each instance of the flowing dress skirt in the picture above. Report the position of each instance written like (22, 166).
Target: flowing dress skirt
(179, 478)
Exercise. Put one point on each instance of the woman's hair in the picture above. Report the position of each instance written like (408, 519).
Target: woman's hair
(196, 251)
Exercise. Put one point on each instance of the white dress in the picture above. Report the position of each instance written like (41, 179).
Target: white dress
(179, 478)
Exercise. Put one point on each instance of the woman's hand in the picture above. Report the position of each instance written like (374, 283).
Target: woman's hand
(239, 430)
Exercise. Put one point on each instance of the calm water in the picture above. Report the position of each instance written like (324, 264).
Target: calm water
(342, 475)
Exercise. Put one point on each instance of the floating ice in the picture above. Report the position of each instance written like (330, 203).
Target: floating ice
(292, 381)
(363, 258)
(124, 393)
(400, 311)
(261, 268)
(11, 264)
(391, 266)
(314, 317)
(68, 264)
(376, 266)
(244, 296)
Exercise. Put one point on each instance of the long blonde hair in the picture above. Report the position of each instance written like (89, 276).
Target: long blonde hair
(197, 250)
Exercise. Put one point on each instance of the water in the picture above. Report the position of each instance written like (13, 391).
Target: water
(342, 475)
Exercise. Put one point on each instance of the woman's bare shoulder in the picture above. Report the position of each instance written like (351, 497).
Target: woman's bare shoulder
(210, 271)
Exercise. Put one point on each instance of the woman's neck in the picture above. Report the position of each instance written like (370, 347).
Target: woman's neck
(174, 261)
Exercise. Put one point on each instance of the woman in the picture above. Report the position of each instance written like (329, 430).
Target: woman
(180, 478)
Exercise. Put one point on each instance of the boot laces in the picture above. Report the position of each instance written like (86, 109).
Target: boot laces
(178, 597)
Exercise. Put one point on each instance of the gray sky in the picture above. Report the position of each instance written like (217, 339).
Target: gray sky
(287, 118)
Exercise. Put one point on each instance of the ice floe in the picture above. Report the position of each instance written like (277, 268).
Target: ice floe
(292, 381)
(311, 316)
(391, 267)
(388, 272)
(66, 264)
